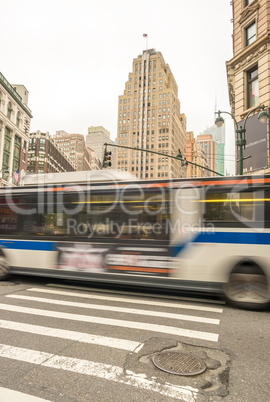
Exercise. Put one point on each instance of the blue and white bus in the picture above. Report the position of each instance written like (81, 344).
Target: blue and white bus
(204, 234)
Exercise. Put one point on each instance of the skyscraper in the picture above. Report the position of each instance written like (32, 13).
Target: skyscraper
(195, 154)
(149, 117)
(95, 139)
(218, 134)
(208, 144)
(75, 148)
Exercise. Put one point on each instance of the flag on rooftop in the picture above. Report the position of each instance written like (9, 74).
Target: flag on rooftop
(145, 35)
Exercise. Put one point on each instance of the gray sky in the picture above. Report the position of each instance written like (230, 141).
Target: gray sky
(74, 57)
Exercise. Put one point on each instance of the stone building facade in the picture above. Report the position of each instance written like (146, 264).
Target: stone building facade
(15, 119)
(248, 75)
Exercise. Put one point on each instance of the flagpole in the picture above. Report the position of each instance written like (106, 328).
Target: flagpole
(146, 37)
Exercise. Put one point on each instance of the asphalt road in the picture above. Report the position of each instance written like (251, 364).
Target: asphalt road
(61, 341)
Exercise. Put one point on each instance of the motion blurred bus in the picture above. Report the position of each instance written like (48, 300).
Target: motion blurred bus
(207, 234)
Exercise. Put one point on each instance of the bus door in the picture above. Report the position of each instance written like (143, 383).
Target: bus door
(186, 223)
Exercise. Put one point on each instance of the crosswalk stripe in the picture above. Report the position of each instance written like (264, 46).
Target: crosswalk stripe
(118, 309)
(123, 344)
(145, 295)
(15, 396)
(114, 322)
(100, 370)
(128, 300)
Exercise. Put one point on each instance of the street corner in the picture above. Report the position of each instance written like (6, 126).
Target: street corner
(167, 360)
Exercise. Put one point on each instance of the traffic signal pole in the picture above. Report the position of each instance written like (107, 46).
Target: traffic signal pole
(178, 157)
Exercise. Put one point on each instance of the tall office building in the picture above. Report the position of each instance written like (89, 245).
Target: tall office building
(15, 118)
(218, 134)
(197, 155)
(149, 117)
(96, 138)
(248, 78)
(73, 145)
(208, 144)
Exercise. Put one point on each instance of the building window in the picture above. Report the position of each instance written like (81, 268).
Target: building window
(252, 87)
(251, 33)
(247, 2)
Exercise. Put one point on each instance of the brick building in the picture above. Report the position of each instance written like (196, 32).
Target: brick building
(45, 156)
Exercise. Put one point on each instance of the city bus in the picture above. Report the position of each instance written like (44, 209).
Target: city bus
(204, 234)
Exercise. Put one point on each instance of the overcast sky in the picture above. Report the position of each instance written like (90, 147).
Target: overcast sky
(74, 57)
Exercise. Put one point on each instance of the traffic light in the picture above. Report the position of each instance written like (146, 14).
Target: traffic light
(184, 162)
(107, 158)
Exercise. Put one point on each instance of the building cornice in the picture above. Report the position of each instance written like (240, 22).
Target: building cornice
(258, 47)
(14, 94)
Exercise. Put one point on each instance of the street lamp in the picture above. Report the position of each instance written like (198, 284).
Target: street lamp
(241, 131)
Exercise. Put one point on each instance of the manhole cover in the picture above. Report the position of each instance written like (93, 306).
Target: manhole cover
(179, 363)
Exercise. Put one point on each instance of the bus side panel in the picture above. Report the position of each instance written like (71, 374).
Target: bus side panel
(29, 254)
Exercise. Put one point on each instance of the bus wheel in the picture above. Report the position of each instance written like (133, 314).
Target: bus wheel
(248, 287)
(4, 268)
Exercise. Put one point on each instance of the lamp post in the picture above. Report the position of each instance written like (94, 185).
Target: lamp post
(241, 131)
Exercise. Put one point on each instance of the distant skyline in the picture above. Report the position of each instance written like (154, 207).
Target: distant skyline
(74, 58)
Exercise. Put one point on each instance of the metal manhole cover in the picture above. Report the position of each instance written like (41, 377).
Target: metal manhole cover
(179, 363)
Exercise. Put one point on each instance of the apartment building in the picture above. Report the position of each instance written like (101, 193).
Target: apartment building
(15, 119)
(248, 75)
(149, 118)
(45, 156)
(74, 146)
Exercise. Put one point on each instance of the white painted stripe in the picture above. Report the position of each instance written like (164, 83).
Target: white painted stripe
(128, 300)
(9, 395)
(145, 295)
(209, 336)
(126, 310)
(100, 370)
(71, 335)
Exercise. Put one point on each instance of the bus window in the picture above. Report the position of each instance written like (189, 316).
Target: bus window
(234, 208)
